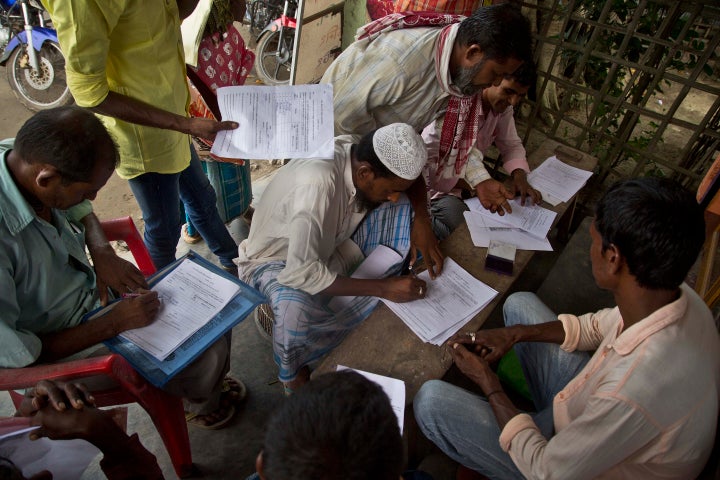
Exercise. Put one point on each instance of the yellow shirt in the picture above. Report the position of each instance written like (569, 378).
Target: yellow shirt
(132, 47)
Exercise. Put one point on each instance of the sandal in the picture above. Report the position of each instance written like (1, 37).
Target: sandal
(189, 239)
(232, 392)
(223, 415)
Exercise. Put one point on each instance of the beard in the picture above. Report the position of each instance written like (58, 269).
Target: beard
(463, 78)
(364, 203)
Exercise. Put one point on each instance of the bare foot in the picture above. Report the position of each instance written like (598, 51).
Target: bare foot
(303, 376)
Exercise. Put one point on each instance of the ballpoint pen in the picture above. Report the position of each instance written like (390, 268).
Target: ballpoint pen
(414, 275)
(135, 295)
(411, 270)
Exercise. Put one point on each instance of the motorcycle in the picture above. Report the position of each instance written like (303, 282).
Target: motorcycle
(31, 53)
(275, 41)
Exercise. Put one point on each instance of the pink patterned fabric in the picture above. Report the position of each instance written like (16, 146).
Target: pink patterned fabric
(379, 8)
(397, 21)
(224, 62)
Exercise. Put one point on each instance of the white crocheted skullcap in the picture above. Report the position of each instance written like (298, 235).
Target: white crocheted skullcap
(400, 149)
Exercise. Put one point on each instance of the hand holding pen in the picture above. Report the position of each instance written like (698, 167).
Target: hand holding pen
(138, 308)
(422, 288)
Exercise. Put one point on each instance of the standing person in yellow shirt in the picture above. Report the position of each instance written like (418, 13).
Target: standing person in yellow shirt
(125, 62)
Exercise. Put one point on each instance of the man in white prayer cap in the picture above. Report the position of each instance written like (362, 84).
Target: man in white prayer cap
(317, 220)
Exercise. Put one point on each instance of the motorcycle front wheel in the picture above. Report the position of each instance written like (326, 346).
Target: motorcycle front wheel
(274, 60)
(43, 89)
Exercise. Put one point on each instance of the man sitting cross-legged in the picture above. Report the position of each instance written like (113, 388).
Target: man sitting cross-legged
(48, 174)
(644, 405)
(317, 219)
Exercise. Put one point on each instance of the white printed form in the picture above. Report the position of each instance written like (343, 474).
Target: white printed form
(191, 296)
(484, 229)
(292, 121)
(533, 219)
(557, 181)
(393, 388)
(452, 299)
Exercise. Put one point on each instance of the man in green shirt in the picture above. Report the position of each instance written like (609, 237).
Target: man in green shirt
(48, 174)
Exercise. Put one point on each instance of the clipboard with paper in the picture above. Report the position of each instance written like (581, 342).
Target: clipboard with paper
(159, 363)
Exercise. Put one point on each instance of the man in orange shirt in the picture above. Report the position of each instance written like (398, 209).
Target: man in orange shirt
(645, 405)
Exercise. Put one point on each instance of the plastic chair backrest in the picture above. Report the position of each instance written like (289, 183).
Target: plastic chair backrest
(124, 229)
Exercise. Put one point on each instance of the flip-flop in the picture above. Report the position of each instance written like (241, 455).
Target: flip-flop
(193, 419)
(230, 386)
(189, 239)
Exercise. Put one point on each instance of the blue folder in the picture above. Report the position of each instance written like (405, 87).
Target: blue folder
(159, 372)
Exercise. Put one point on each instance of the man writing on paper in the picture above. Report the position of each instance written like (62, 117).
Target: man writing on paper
(416, 67)
(49, 174)
(644, 405)
(317, 220)
(496, 126)
(125, 61)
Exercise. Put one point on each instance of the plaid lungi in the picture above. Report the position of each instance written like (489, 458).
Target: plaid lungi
(306, 326)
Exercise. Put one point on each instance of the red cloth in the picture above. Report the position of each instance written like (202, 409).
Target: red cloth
(397, 21)
(459, 7)
(224, 62)
(379, 8)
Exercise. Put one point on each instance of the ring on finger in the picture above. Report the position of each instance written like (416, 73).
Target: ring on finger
(472, 336)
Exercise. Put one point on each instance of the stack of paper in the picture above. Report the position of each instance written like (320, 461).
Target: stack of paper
(452, 300)
(64, 459)
(526, 227)
(557, 181)
(393, 388)
(191, 296)
(291, 121)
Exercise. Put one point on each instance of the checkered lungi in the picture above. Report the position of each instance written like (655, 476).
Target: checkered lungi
(306, 326)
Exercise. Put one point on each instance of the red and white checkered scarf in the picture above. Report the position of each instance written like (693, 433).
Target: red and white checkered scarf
(462, 117)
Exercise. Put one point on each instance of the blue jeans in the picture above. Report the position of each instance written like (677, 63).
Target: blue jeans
(463, 425)
(158, 193)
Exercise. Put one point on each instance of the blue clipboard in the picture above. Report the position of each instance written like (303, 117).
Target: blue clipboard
(160, 372)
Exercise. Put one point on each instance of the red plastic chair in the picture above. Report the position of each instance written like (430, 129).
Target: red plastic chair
(165, 410)
(124, 229)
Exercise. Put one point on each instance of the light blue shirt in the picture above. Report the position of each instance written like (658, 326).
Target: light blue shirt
(46, 281)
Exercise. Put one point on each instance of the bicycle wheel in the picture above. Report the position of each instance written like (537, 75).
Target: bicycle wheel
(43, 89)
(274, 60)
